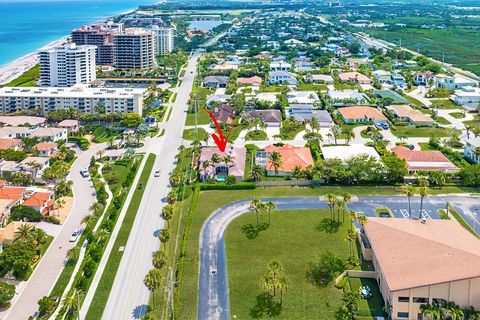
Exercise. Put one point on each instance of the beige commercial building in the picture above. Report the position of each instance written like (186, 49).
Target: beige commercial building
(423, 262)
(134, 49)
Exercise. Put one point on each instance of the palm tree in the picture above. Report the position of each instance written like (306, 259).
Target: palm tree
(255, 205)
(347, 197)
(164, 236)
(206, 138)
(111, 142)
(423, 192)
(159, 259)
(351, 237)
(297, 172)
(353, 217)
(340, 204)
(362, 220)
(227, 159)
(167, 214)
(71, 303)
(270, 206)
(96, 208)
(102, 235)
(431, 311)
(283, 286)
(267, 284)
(153, 280)
(314, 124)
(331, 201)
(409, 191)
(23, 233)
(276, 159)
(215, 159)
(87, 219)
(256, 172)
(73, 254)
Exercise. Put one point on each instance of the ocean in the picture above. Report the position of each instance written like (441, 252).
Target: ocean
(29, 25)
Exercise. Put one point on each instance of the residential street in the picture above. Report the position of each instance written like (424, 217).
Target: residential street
(213, 301)
(129, 297)
(48, 270)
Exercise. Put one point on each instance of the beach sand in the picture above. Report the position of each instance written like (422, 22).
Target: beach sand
(17, 67)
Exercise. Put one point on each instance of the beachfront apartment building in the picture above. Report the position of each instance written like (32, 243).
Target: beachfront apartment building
(134, 49)
(164, 39)
(99, 35)
(67, 65)
(81, 98)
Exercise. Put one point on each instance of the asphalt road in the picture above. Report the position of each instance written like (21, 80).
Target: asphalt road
(129, 297)
(48, 270)
(213, 301)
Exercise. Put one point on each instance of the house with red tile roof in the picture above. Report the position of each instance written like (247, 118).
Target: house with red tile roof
(418, 262)
(420, 160)
(252, 81)
(361, 114)
(40, 201)
(46, 149)
(9, 197)
(355, 76)
(291, 157)
(7, 143)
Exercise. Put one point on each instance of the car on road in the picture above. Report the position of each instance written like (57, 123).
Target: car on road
(157, 173)
(84, 173)
(74, 235)
(213, 271)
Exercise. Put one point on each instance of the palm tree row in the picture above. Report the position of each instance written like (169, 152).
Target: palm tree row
(260, 208)
(422, 191)
(337, 205)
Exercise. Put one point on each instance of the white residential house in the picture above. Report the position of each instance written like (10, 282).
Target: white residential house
(467, 97)
(280, 66)
(472, 149)
(282, 77)
(302, 97)
(453, 82)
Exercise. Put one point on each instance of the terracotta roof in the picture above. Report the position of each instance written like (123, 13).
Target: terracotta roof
(413, 254)
(11, 193)
(354, 76)
(37, 199)
(9, 143)
(291, 157)
(46, 146)
(424, 160)
(361, 112)
(251, 80)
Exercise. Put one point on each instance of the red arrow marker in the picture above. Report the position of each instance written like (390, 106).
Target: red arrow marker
(219, 139)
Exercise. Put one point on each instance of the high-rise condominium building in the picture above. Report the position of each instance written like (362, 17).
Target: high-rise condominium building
(100, 35)
(134, 49)
(67, 65)
(164, 39)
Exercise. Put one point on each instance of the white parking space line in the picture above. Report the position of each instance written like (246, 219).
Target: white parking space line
(404, 213)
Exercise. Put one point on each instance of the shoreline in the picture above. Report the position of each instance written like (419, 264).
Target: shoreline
(17, 67)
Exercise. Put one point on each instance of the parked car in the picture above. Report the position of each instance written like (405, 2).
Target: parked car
(411, 147)
(384, 126)
(84, 173)
(74, 235)
(157, 173)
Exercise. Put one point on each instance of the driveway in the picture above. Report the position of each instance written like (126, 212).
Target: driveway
(48, 270)
(213, 298)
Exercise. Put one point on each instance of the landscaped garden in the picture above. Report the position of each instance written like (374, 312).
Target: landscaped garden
(256, 135)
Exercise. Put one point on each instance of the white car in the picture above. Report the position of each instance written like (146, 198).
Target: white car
(74, 235)
(84, 173)
(157, 173)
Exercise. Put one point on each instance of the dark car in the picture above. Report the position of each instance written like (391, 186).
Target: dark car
(411, 147)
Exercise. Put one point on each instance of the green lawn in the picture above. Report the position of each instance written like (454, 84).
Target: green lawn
(289, 231)
(407, 131)
(202, 118)
(189, 134)
(256, 135)
(311, 87)
(289, 130)
(372, 306)
(413, 101)
(457, 115)
(27, 79)
(462, 222)
(442, 120)
(473, 123)
(271, 88)
(106, 281)
(444, 104)
(426, 146)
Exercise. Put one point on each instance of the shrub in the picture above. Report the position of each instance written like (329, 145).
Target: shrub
(7, 291)
(24, 213)
(50, 219)
(323, 268)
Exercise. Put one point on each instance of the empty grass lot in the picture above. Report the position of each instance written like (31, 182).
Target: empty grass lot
(293, 239)
(407, 131)
(189, 134)
(444, 104)
(27, 79)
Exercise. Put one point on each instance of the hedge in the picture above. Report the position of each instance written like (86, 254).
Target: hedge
(236, 186)
(82, 142)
